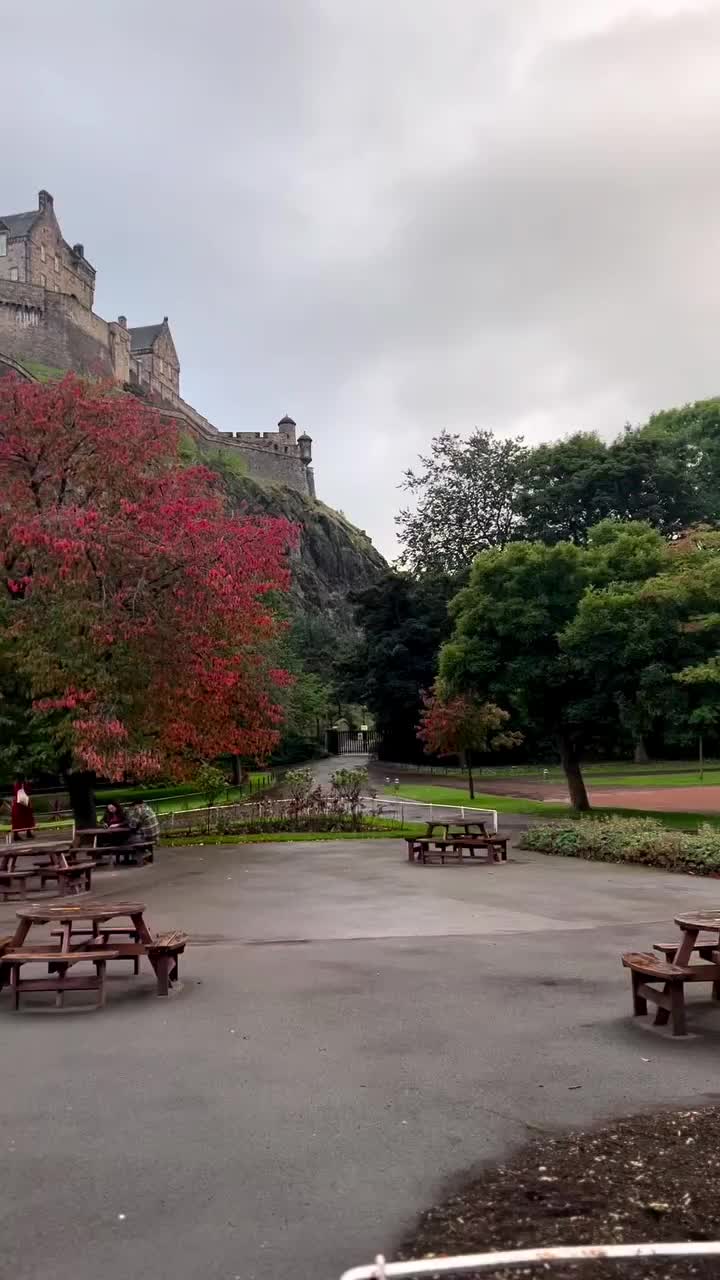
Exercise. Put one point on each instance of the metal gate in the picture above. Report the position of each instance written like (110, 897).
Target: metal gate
(351, 742)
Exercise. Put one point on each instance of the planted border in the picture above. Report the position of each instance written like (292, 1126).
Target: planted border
(642, 841)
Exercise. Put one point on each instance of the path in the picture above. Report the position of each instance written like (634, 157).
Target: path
(353, 1032)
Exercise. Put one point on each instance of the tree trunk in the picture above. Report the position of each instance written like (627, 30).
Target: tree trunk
(236, 771)
(570, 761)
(81, 788)
(641, 756)
(471, 780)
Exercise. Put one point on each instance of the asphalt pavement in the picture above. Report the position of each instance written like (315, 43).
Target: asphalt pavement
(352, 1034)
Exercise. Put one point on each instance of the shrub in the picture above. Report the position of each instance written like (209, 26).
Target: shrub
(640, 840)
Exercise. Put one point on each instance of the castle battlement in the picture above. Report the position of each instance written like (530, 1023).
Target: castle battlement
(47, 289)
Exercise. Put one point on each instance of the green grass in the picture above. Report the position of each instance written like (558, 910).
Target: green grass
(290, 837)
(711, 778)
(617, 771)
(176, 799)
(455, 796)
(43, 372)
(687, 821)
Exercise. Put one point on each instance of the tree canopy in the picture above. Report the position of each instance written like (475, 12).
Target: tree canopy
(137, 612)
(577, 640)
(402, 622)
(486, 491)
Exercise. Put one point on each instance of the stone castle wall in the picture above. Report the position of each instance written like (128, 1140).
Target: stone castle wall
(40, 326)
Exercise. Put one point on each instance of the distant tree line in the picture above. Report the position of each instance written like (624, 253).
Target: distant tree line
(575, 585)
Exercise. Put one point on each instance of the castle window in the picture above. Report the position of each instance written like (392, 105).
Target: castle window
(57, 263)
(3, 244)
(42, 252)
(43, 281)
(13, 273)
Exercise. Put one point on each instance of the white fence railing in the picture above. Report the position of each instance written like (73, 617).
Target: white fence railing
(385, 804)
(448, 1266)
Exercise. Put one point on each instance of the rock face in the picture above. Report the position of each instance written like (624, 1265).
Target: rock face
(333, 557)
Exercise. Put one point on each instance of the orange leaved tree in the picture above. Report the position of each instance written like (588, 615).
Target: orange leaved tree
(459, 725)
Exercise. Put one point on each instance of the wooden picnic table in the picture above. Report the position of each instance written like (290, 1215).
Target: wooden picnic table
(693, 923)
(95, 832)
(67, 914)
(463, 826)
(96, 938)
(56, 854)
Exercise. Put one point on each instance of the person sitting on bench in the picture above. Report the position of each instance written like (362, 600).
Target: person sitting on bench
(144, 824)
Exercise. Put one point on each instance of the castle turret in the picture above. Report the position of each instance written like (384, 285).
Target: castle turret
(286, 427)
(305, 446)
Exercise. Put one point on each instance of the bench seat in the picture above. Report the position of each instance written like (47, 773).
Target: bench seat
(58, 981)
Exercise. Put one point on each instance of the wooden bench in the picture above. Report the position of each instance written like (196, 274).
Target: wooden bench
(646, 968)
(57, 981)
(670, 949)
(77, 878)
(134, 853)
(164, 952)
(14, 882)
(131, 950)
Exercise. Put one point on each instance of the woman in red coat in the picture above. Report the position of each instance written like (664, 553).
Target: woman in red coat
(22, 818)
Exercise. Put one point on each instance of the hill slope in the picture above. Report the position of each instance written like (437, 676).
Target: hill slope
(333, 557)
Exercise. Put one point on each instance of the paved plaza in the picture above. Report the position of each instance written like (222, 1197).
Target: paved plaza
(352, 1033)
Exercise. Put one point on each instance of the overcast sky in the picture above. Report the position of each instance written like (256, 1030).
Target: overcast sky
(390, 217)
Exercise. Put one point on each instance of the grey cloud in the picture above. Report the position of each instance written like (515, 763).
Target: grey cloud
(389, 219)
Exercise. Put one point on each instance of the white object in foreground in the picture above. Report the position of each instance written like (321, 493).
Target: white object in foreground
(382, 1270)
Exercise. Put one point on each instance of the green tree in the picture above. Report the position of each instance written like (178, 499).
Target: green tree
(466, 499)
(517, 640)
(403, 622)
(571, 485)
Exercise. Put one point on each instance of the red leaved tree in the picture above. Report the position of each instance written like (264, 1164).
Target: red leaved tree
(457, 726)
(137, 610)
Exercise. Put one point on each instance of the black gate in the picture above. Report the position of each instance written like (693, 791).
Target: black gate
(351, 742)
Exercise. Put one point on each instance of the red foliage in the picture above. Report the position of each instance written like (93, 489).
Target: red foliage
(138, 608)
(457, 725)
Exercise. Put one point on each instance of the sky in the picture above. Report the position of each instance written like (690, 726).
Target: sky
(388, 218)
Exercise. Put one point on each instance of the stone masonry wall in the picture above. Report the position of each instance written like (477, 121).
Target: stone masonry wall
(276, 468)
(53, 329)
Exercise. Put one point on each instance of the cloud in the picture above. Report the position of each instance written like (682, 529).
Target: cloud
(389, 219)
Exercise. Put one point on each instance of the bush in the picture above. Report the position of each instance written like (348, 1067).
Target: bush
(640, 840)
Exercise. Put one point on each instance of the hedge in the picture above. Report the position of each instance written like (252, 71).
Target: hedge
(644, 841)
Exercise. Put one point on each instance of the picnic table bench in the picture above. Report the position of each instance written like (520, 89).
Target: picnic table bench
(57, 979)
(424, 848)
(125, 844)
(453, 848)
(95, 940)
(74, 878)
(661, 978)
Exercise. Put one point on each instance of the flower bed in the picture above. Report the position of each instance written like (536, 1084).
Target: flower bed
(640, 840)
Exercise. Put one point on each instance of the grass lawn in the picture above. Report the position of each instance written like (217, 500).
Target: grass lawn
(455, 797)
(509, 804)
(289, 837)
(710, 778)
(680, 773)
(177, 799)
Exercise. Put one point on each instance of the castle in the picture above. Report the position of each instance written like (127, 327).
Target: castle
(47, 322)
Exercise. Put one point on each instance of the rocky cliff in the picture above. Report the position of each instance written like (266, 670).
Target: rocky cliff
(333, 557)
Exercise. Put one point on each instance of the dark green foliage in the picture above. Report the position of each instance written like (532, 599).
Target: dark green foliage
(403, 622)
